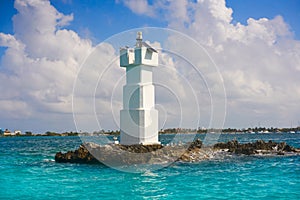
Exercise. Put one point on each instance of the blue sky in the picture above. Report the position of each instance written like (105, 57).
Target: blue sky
(223, 28)
(94, 15)
(91, 17)
(289, 10)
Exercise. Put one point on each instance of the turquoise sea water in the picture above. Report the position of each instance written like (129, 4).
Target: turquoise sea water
(28, 171)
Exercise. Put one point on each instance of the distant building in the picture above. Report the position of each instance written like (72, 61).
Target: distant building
(7, 133)
(17, 132)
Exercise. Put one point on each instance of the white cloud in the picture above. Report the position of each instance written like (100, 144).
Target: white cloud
(140, 7)
(259, 61)
(40, 64)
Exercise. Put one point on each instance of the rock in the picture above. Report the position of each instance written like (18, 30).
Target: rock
(81, 155)
(185, 157)
(139, 148)
(288, 148)
(231, 145)
(117, 154)
(245, 150)
(111, 154)
(280, 153)
(257, 147)
(195, 144)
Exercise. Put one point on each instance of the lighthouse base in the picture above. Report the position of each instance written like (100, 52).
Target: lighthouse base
(139, 127)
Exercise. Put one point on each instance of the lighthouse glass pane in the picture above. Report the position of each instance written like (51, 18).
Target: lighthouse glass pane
(148, 55)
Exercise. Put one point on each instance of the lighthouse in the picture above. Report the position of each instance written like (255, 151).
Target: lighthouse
(139, 118)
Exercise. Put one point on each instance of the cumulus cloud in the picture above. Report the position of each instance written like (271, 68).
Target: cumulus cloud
(141, 7)
(259, 61)
(42, 61)
(40, 64)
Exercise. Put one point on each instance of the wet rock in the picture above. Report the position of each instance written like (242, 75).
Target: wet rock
(231, 145)
(195, 144)
(116, 154)
(280, 153)
(81, 155)
(288, 148)
(259, 146)
(185, 157)
(138, 148)
(244, 150)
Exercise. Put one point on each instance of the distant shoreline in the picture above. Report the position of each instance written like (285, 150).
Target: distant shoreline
(166, 131)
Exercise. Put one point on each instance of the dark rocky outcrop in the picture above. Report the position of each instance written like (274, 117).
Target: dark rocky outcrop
(81, 155)
(195, 144)
(138, 148)
(116, 154)
(259, 146)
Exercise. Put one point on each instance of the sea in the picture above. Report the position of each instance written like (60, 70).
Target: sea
(28, 171)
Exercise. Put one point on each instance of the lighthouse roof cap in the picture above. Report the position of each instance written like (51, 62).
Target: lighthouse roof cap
(140, 43)
(144, 44)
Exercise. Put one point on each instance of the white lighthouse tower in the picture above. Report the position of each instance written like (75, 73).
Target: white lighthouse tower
(139, 118)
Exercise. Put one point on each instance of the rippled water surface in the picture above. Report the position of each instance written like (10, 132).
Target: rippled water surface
(28, 171)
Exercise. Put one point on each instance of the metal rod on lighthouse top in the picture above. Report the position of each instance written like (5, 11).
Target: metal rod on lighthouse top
(139, 39)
